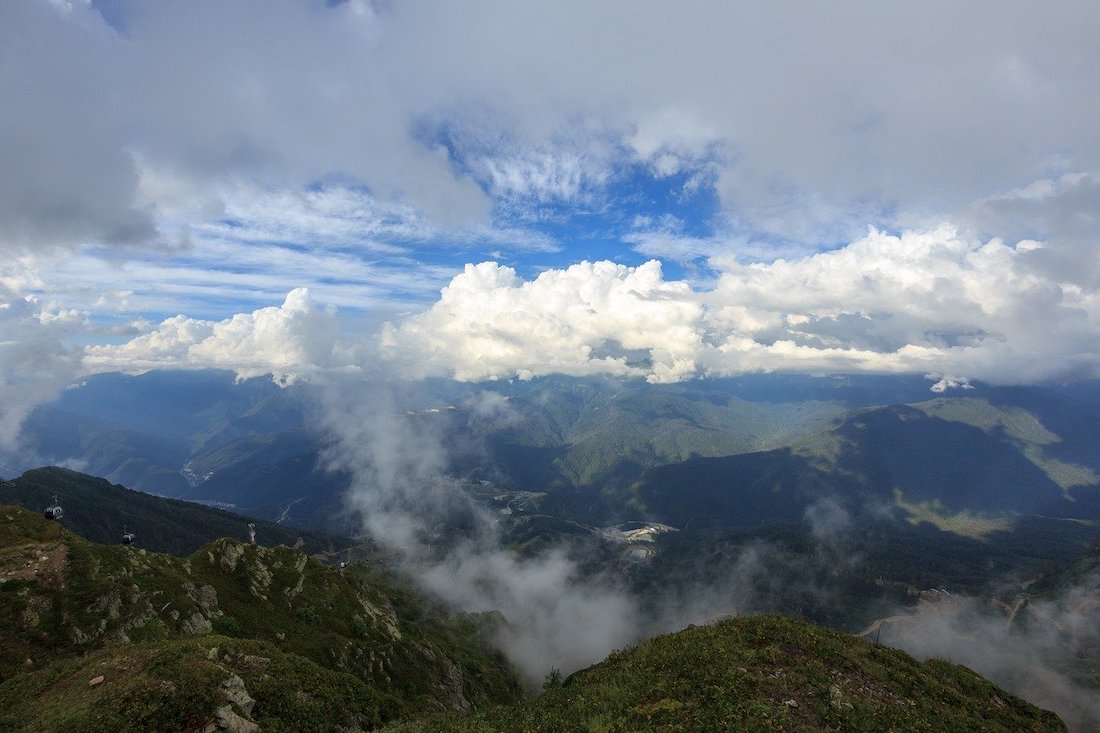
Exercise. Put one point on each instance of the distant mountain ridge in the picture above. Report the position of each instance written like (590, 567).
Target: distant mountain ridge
(600, 448)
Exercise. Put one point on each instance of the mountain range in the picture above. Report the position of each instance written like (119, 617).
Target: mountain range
(842, 500)
(600, 447)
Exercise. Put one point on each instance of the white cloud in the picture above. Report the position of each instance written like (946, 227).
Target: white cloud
(1032, 654)
(491, 324)
(866, 108)
(35, 363)
(944, 382)
(1061, 211)
(333, 217)
(289, 342)
(544, 177)
(925, 301)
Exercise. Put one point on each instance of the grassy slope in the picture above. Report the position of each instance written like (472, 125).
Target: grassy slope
(763, 673)
(62, 599)
(177, 684)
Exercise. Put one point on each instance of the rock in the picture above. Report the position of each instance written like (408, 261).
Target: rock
(791, 703)
(451, 688)
(197, 625)
(231, 554)
(260, 579)
(206, 597)
(95, 681)
(255, 662)
(30, 619)
(235, 692)
(228, 720)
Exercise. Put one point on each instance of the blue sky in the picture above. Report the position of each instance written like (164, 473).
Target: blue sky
(475, 189)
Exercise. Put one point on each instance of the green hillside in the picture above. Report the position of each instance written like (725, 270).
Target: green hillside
(190, 684)
(69, 607)
(962, 464)
(762, 673)
(98, 511)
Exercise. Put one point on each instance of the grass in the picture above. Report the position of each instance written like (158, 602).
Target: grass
(762, 673)
(176, 684)
(964, 523)
(329, 634)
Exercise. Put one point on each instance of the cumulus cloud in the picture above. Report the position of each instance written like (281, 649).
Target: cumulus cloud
(490, 324)
(289, 342)
(35, 362)
(921, 301)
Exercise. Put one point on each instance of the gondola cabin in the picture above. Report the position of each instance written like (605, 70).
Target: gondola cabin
(54, 511)
(128, 538)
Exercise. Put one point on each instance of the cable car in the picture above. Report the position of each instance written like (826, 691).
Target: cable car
(54, 511)
(128, 537)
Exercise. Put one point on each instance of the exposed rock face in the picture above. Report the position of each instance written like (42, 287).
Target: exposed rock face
(452, 688)
(235, 714)
(227, 720)
(257, 561)
(234, 690)
(196, 625)
(207, 597)
(231, 553)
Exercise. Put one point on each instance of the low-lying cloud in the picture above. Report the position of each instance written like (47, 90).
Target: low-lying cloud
(1029, 649)
(35, 361)
(553, 615)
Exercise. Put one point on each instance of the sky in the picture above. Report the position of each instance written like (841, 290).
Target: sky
(493, 190)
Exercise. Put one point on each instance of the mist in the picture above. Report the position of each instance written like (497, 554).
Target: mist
(555, 617)
(1028, 647)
